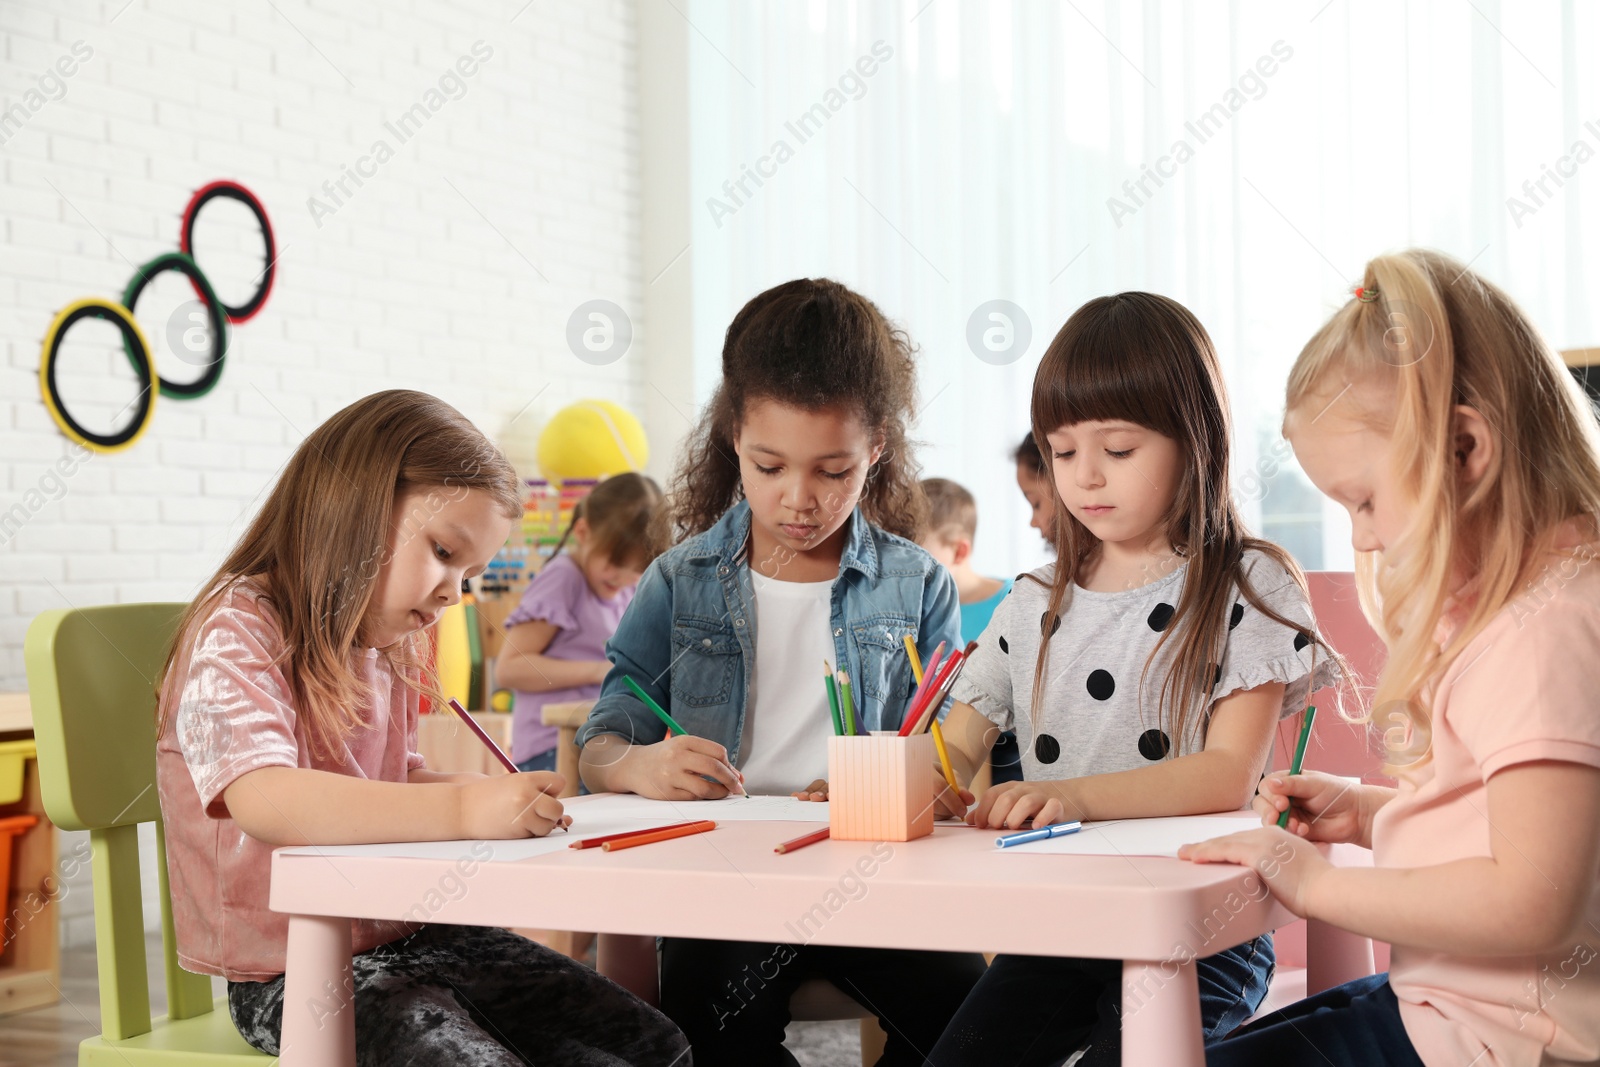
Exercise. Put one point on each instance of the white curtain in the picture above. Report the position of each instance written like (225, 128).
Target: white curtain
(1245, 159)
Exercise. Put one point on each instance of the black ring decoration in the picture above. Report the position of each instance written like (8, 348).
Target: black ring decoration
(141, 364)
(184, 265)
(234, 191)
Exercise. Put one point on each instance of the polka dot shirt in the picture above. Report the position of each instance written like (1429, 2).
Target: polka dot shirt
(1091, 718)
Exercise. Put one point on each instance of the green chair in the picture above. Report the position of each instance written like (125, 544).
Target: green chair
(91, 681)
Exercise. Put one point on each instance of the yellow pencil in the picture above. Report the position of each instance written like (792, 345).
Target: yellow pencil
(916, 661)
(944, 758)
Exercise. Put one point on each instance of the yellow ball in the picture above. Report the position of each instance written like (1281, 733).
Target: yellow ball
(592, 439)
(501, 700)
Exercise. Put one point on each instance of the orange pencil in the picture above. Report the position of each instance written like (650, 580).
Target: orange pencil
(802, 841)
(596, 842)
(660, 835)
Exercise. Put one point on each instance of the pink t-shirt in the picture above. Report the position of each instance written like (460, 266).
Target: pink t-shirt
(1527, 688)
(231, 711)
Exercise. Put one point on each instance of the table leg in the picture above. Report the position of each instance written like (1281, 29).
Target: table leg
(1161, 1014)
(319, 1019)
(1334, 957)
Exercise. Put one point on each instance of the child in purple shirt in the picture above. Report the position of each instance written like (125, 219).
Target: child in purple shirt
(556, 637)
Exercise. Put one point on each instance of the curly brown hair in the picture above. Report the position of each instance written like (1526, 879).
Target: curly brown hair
(811, 343)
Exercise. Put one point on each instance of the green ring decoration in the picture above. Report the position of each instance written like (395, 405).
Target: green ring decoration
(186, 266)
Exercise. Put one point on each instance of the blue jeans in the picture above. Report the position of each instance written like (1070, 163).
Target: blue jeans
(544, 761)
(1353, 1025)
(1039, 1010)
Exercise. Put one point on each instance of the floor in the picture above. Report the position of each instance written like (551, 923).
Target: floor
(48, 1037)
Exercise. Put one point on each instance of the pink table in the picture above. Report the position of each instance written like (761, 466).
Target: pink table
(1157, 915)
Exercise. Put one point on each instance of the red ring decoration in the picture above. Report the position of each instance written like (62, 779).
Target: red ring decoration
(233, 191)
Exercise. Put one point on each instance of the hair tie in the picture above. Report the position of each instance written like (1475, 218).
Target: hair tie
(1367, 294)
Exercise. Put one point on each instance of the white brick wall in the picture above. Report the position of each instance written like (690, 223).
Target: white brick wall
(410, 283)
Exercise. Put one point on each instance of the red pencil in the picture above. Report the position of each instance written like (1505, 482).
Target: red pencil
(803, 841)
(660, 835)
(596, 842)
(931, 708)
(499, 753)
(915, 714)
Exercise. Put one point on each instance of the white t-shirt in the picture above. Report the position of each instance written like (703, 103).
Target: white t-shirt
(787, 721)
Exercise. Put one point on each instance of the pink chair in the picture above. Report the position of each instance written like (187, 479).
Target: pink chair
(1337, 747)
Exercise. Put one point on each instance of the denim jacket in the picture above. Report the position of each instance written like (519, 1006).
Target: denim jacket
(688, 635)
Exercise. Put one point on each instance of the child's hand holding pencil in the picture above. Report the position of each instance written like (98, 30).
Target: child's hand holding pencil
(949, 803)
(681, 767)
(512, 805)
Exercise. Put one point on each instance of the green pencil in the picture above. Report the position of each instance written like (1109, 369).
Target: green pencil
(833, 698)
(672, 724)
(848, 700)
(661, 712)
(1299, 756)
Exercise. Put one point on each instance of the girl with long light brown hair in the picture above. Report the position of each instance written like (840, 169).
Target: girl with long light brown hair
(288, 716)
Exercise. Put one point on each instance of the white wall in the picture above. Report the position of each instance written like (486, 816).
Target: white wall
(453, 268)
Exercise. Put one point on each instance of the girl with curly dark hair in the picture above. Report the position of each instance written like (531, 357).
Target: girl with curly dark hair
(798, 495)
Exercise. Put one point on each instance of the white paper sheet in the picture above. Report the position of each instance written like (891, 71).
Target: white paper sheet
(731, 809)
(592, 818)
(1139, 837)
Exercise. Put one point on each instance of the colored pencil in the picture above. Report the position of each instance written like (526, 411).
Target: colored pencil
(847, 699)
(1299, 757)
(496, 750)
(944, 758)
(803, 840)
(661, 712)
(916, 661)
(596, 842)
(930, 710)
(913, 721)
(833, 698)
(928, 674)
(659, 835)
(1060, 829)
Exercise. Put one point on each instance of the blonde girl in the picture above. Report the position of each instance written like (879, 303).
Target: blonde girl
(1468, 458)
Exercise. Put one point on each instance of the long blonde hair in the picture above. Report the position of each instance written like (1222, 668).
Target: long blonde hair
(1146, 359)
(319, 542)
(1438, 335)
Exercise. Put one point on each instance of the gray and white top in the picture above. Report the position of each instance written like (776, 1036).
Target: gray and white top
(1091, 719)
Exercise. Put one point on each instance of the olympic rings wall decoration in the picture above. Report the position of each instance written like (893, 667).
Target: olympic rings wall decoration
(134, 342)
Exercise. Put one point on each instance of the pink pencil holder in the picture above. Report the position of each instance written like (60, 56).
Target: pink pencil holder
(880, 787)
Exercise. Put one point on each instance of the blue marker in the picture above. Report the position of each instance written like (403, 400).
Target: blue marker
(1060, 829)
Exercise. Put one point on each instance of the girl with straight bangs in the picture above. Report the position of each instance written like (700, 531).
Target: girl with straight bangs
(1469, 460)
(287, 715)
(1144, 671)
